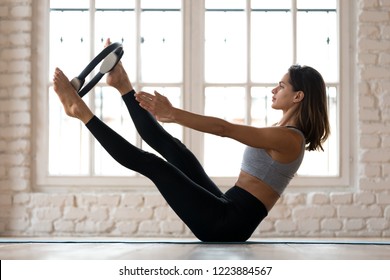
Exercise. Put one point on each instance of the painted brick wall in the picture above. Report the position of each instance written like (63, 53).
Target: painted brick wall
(361, 211)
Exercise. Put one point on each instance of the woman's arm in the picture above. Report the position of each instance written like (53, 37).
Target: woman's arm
(162, 109)
(274, 138)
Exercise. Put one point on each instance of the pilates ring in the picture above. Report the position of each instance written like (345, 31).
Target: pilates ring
(110, 56)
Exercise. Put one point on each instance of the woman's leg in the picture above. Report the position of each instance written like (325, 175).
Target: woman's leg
(156, 136)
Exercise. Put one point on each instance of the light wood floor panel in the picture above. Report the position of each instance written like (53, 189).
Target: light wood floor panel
(192, 250)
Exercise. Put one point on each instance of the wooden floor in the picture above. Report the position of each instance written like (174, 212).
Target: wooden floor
(108, 249)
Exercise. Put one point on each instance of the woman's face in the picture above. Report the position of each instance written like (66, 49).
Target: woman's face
(283, 94)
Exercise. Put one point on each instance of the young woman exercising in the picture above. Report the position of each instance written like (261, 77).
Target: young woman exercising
(272, 157)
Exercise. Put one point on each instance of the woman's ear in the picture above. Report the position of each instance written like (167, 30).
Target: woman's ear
(299, 95)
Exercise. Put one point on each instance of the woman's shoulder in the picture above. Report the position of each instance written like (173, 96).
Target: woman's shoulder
(289, 143)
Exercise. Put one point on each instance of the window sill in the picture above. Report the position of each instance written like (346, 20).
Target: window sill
(138, 183)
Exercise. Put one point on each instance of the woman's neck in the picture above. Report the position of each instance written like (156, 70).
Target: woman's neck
(289, 118)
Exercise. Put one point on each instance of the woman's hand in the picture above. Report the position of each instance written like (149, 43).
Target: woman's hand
(157, 104)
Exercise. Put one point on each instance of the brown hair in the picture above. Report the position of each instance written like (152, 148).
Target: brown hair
(312, 115)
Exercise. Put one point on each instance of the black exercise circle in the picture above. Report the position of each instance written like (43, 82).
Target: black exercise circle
(110, 57)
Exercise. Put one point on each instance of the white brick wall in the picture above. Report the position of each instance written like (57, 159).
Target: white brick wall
(362, 211)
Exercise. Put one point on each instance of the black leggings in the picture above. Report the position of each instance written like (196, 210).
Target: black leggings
(210, 214)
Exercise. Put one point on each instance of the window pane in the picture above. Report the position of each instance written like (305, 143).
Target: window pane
(226, 4)
(271, 48)
(115, 4)
(317, 42)
(161, 45)
(222, 156)
(225, 43)
(69, 43)
(158, 4)
(68, 142)
(317, 4)
(271, 4)
(119, 26)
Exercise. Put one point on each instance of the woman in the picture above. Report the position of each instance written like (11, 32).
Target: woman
(272, 157)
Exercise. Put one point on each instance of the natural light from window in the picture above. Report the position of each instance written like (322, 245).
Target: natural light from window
(243, 60)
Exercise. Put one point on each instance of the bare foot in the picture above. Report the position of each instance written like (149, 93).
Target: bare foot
(74, 106)
(118, 77)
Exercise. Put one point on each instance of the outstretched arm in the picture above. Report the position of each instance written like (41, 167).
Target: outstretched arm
(273, 138)
(159, 106)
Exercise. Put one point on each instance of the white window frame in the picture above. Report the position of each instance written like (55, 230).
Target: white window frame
(193, 37)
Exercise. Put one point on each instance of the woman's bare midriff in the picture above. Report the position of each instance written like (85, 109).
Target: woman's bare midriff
(258, 188)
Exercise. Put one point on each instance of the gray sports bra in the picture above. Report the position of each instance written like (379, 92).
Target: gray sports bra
(258, 163)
